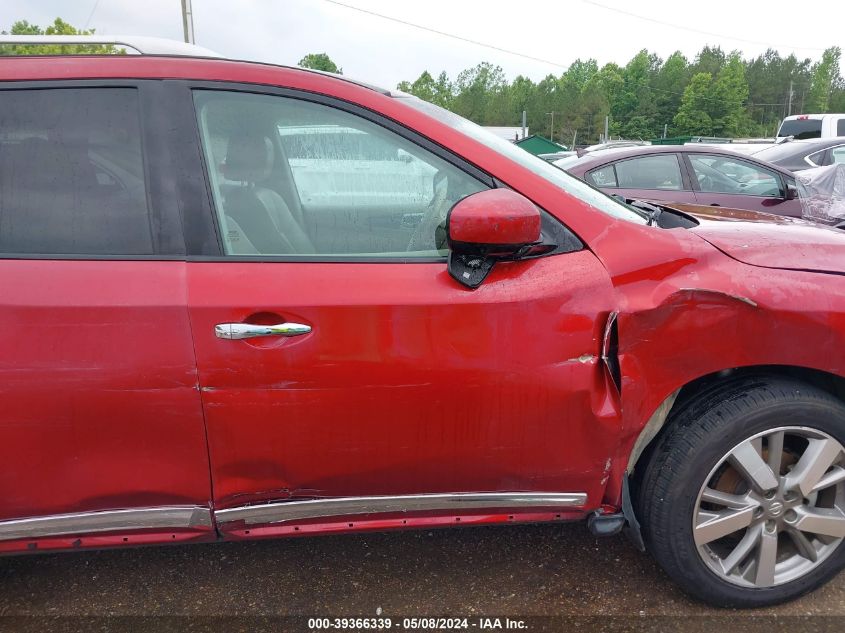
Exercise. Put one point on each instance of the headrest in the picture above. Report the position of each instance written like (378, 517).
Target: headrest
(249, 157)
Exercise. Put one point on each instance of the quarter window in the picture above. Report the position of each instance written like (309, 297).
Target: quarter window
(650, 172)
(293, 177)
(722, 174)
(816, 159)
(604, 176)
(72, 179)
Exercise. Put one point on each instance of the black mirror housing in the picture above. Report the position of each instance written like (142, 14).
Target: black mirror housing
(791, 192)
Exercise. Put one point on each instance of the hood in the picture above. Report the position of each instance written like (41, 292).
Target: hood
(772, 241)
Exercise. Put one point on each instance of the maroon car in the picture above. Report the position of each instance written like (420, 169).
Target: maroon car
(690, 174)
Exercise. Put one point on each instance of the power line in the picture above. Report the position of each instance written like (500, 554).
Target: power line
(505, 50)
(445, 34)
(91, 14)
(699, 31)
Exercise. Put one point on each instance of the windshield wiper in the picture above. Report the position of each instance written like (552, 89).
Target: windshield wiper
(652, 212)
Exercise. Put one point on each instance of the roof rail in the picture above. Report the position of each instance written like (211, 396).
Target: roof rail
(140, 44)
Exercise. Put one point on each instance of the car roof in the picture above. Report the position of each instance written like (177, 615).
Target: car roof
(595, 159)
(151, 66)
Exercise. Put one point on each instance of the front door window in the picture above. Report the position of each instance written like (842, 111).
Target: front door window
(724, 174)
(293, 177)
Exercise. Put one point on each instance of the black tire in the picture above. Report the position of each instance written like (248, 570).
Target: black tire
(696, 437)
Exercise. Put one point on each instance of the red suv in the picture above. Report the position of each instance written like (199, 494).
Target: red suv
(244, 301)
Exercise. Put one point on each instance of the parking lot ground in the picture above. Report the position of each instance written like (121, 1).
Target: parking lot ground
(519, 571)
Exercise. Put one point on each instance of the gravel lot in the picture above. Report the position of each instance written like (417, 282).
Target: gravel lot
(516, 571)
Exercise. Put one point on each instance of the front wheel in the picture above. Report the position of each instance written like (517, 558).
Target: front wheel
(743, 500)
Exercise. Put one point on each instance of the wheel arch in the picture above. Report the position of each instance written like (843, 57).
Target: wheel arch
(661, 418)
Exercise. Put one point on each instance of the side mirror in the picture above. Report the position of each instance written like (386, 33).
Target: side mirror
(791, 192)
(486, 227)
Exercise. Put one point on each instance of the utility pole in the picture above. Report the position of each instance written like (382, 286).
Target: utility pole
(552, 132)
(524, 123)
(606, 128)
(789, 108)
(188, 21)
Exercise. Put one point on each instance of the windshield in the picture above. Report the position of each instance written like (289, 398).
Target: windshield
(571, 185)
(801, 128)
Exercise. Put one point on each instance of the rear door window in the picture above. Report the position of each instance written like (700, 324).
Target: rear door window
(72, 177)
(840, 127)
(662, 171)
(837, 155)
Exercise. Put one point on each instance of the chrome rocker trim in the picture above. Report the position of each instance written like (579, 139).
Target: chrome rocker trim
(166, 517)
(284, 511)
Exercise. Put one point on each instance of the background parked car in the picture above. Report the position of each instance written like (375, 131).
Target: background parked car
(798, 155)
(689, 174)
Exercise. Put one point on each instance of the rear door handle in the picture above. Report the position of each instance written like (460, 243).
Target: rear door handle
(250, 330)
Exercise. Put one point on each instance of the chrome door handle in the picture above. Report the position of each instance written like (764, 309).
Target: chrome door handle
(249, 330)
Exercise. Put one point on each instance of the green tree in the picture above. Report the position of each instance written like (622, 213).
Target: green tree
(522, 93)
(568, 97)
(716, 106)
(710, 59)
(426, 88)
(825, 79)
(475, 88)
(320, 61)
(668, 87)
(594, 103)
(635, 99)
(837, 97)
(727, 97)
(59, 27)
(693, 118)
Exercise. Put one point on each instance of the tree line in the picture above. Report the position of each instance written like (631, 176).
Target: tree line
(715, 94)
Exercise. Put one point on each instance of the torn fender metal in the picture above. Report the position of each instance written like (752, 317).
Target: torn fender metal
(695, 331)
(610, 350)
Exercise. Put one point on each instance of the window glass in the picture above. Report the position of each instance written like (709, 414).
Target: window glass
(801, 128)
(837, 155)
(724, 174)
(71, 173)
(840, 127)
(604, 176)
(661, 171)
(292, 177)
(817, 159)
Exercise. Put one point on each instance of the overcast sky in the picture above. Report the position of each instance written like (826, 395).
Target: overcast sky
(385, 52)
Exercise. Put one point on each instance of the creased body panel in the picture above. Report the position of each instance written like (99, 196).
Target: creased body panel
(682, 317)
(407, 384)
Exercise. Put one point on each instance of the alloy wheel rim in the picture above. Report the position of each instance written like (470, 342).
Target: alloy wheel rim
(773, 508)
